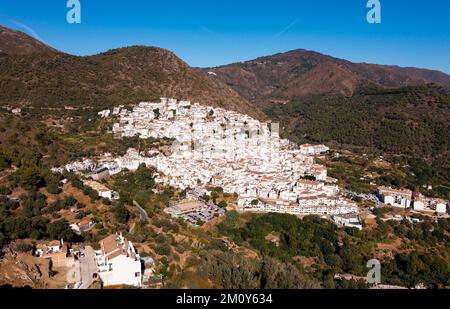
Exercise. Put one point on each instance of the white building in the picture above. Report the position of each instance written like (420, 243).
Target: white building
(118, 262)
(102, 190)
(349, 220)
(440, 206)
(422, 203)
(419, 205)
(16, 111)
(183, 207)
(308, 149)
(395, 197)
(83, 225)
(214, 146)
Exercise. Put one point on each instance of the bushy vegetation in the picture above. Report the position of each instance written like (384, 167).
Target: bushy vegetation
(140, 186)
(121, 213)
(362, 173)
(23, 247)
(235, 271)
(413, 268)
(409, 121)
(347, 251)
(31, 223)
(136, 185)
(59, 204)
(119, 76)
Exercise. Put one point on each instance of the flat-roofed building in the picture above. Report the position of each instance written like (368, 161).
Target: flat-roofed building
(100, 174)
(118, 262)
(183, 207)
(348, 220)
(58, 252)
(395, 197)
(439, 206)
(102, 190)
(309, 184)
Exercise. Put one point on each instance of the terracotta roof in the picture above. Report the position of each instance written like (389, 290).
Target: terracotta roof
(109, 244)
(112, 247)
(309, 182)
(84, 221)
(114, 254)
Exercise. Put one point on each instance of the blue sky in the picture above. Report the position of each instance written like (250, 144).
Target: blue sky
(210, 33)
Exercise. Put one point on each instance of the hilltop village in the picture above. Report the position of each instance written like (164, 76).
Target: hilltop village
(221, 148)
(210, 149)
(214, 147)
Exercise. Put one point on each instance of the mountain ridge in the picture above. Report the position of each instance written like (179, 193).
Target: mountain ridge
(13, 42)
(42, 76)
(283, 76)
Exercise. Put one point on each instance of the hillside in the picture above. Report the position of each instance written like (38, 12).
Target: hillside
(14, 42)
(120, 76)
(408, 121)
(388, 110)
(385, 109)
(281, 77)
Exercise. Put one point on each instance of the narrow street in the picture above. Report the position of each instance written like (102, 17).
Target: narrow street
(88, 267)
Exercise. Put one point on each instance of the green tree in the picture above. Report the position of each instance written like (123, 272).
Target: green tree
(222, 204)
(60, 230)
(30, 178)
(163, 249)
(255, 202)
(157, 113)
(4, 190)
(2, 240)
(121, 213)
(214, 196)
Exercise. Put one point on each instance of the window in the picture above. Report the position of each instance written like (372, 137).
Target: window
(138, 274)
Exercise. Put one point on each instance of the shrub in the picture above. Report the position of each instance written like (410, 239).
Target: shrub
(222, 204)
(23, 247)
(2, 240)
(53, 188)
(163, 249)
(4, 190)
(121, 213)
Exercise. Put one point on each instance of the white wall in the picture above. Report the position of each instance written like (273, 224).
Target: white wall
(441, 208)
(123, 272)
(418, 205)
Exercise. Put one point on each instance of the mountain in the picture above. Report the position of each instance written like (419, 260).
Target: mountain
(47, 78)
(281, 77)
(410, 120)
(402, 113)
(377, 109)
(14, 42)
(409, 125)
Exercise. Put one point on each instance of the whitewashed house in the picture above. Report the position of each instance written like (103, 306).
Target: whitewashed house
(395, 197)
(348, 220)
(419, 205)
(440, 206)
(118, 262)
(102, 190)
